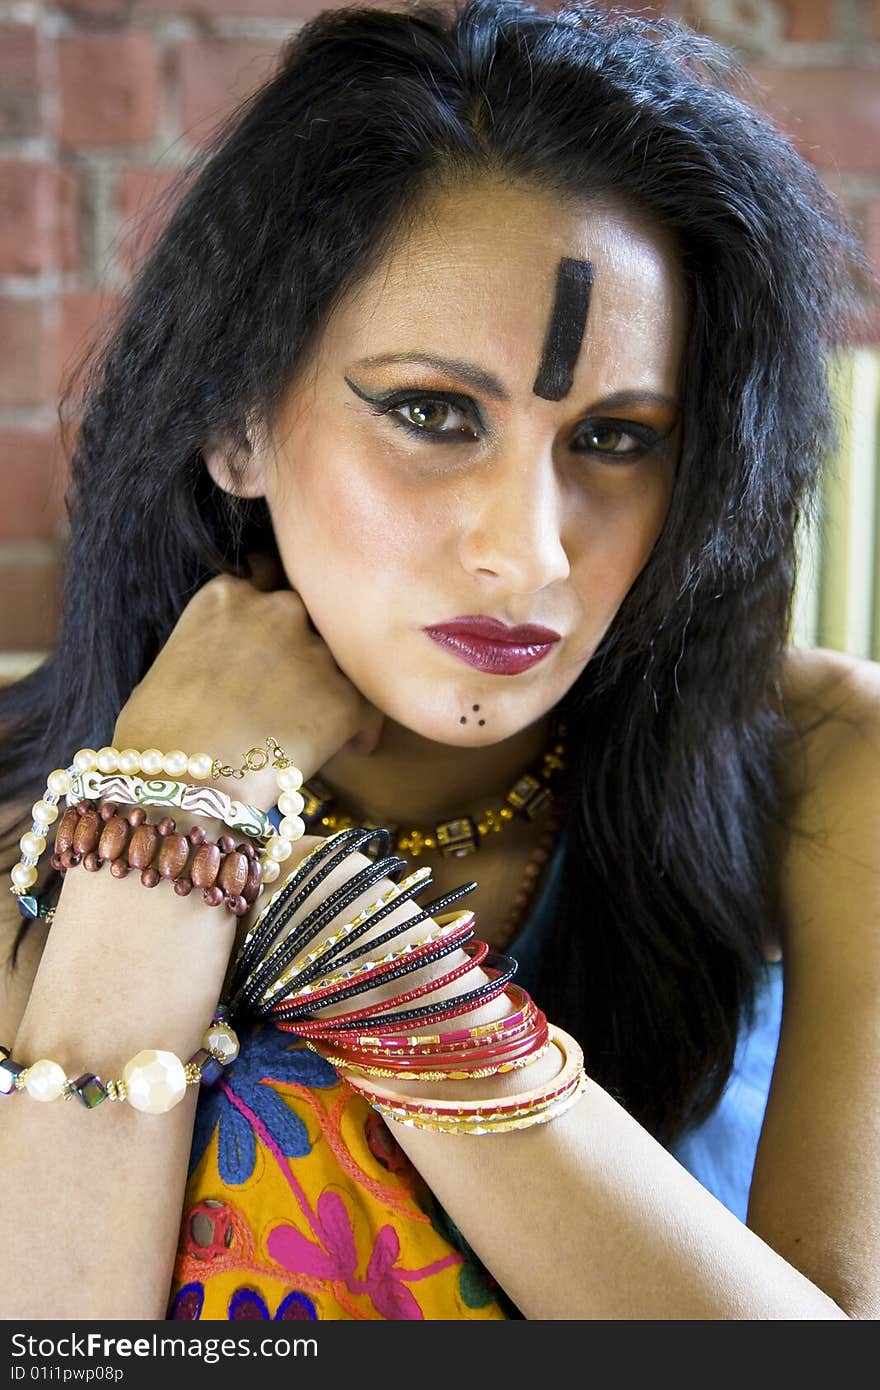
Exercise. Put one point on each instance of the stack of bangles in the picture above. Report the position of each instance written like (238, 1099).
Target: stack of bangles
(282, 972)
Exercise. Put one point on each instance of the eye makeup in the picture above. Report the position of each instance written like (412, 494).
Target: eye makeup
(565, 331)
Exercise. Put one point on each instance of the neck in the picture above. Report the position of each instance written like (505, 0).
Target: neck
(410, 779)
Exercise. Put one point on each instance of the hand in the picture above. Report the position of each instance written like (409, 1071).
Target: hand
(243, 662)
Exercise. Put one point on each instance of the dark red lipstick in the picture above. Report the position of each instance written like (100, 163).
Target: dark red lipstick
(492, 646)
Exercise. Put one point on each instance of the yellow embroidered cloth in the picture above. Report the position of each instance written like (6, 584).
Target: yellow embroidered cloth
(300, 1205)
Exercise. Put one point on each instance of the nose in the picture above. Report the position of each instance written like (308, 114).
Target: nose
(512, 524)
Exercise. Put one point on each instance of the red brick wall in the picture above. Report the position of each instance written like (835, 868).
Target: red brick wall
(101, 100)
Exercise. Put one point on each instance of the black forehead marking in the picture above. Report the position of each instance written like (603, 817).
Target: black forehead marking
(565, 332)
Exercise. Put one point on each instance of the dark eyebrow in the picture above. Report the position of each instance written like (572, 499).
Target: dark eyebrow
(489, 385)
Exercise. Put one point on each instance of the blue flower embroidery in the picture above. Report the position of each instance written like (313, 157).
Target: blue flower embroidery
(266, 1056)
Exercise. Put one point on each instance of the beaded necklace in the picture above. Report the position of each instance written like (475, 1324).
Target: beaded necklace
(533, 796)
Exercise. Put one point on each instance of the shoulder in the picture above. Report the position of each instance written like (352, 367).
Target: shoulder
(818, 1171)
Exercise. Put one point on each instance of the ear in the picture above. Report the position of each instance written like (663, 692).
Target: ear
(240, 471)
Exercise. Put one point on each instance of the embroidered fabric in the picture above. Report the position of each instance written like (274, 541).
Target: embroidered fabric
(300, 1205)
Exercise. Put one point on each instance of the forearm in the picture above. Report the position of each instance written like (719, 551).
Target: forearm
(98, 1193)
(612, 1226)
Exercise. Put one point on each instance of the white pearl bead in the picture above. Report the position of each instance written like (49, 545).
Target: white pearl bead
(222, 1042)
(271, 870)
(278, 848)
(292, 827)
(84, 760)
(23, 875)
(43, 812)
(130, 761)
(59, 782)
(152, 761)
(175, 763)
(45, 1080)
(33, 844)
(155, 1081)
(199, 766)
(107, 759)
(290, 779)
(290, 803)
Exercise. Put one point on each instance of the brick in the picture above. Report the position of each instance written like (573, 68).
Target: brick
(32, 482)
(30, 586)
(39, 217)
(25, 333)
(260, 9)
(94, 9)
(142, 216)
(809, 21)
(832, 114)
(84, 317)
(19, 81)
(109, 88)
(215, 75)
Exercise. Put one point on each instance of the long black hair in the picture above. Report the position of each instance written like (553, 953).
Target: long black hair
(674, 731)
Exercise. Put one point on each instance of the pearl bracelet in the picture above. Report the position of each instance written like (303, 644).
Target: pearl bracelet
(152, 1081)
(153, 762)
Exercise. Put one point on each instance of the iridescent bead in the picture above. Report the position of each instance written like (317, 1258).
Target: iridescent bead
(270, 870)
(208, 1065)
(45, 1080)
(90, 1089)
(290, 779)
(85, 760)
(9, 1070)
(31, 843)
(155, 1081)
(130, 761)
(59, 782)
(44, 812)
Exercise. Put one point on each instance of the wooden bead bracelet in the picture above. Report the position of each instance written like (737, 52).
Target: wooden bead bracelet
(93, 835)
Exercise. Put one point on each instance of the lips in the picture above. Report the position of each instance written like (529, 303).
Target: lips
(490, 645)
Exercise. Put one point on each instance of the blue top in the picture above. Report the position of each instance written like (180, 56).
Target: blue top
(720, 1151)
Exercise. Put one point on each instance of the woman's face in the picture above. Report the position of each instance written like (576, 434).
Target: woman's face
(532, 495)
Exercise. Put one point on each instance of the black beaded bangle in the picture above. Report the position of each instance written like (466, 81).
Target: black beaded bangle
(472, 996)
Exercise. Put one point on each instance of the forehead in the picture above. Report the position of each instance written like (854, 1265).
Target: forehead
(476, 276)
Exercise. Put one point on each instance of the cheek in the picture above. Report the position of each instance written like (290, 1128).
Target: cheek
(342, 527)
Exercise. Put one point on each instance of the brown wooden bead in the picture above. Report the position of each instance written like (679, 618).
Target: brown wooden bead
(183, 886)
(66, 827)
(107, 810)
(83, 806)
(69, 860)
(173, 854)
(143, 846)
(92, 862)
(119, 868)
(136, 816)
(254, 882)
(55, 861)
(247, 848)
(166, 826)
(114, 838)
(236, 904)
(205, 866)
(150, 877)
(233, 873)
(213, 896)
(225, 843)
(196, 835)
(87, 832)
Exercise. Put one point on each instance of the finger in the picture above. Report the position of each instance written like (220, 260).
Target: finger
(266, 571)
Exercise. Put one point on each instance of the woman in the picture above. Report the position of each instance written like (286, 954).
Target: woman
(520, 317)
